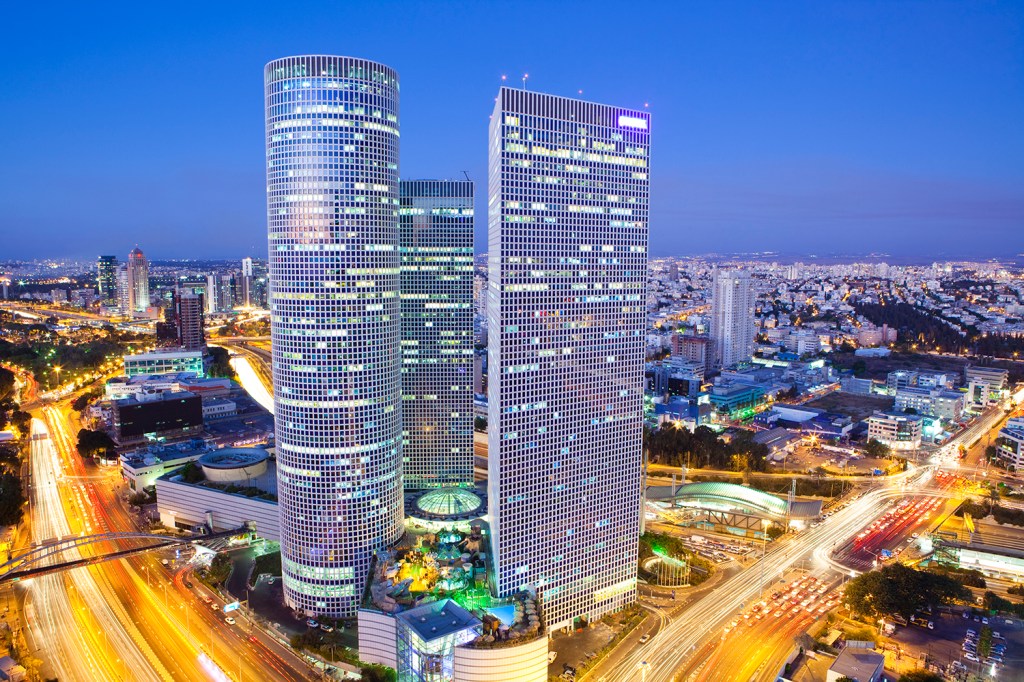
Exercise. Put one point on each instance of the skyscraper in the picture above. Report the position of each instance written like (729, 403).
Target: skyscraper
(188, 320)
(332, 203)
(246, 296)
(732, 317)
(568, 211)
(138, 282)
(106, 279)
(436, 246)
(124, 291)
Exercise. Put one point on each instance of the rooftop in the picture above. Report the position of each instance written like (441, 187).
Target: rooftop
(857, 664)
(437, 619)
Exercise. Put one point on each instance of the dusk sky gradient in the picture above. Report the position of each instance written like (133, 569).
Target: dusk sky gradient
(817, 127)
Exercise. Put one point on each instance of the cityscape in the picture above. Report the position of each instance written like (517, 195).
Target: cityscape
(581, 411)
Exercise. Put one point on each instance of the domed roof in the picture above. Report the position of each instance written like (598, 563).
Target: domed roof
(449, 502)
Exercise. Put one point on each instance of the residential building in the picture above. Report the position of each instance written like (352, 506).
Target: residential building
(692, 348)
(897, 430)
(335, 322)
(186, 313)
(106, 280)
(124, 298)
(732, 317)
(567, 286)
(436, 245)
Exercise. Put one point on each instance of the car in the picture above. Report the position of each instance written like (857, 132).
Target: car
(984, 620)
(931, 625)
(327, 628)
(971, 657)
(188, 584)
(967, 616)
(971, 632)
(977, 620)
(312, 623)
(229, 620)
(552, 655)
(206, 599)
(778, 613)
(165, 562)
(997, 635)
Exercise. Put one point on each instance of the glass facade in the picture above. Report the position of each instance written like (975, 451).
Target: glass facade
(138, 282)
(332, 214)
(567, 227)
(106, 279)
(436, 244)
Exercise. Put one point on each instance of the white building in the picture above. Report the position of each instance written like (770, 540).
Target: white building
(935, 402)
(138, 282)
(436, 244)
(898, 431)
(1010, 444)
(568, 230)
(332, 212)
(141, 467)
(165, 362)
(732, 317)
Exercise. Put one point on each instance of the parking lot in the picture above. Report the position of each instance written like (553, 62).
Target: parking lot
(944, 645)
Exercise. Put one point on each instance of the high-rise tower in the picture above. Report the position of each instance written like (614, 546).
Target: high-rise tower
(332, 204)
(436, 245)
(732, 317)
(567, 211)
(138, 282)
(106, 279)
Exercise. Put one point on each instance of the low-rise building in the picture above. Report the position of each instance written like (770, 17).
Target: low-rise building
(860, 665)
(219, 408)
(141, 467)
(156, 416)
(229, 487)
(1010, 444)
(935, 402)
(898, 431)
(166, 362)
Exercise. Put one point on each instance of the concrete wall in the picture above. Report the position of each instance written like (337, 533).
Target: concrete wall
(191, 503)
(378, 638)
(524, 663)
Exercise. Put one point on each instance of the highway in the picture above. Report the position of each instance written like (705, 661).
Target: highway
(671, 648)
(68, 615)
(142, 622)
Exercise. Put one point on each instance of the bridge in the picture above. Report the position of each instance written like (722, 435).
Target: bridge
(36, 560)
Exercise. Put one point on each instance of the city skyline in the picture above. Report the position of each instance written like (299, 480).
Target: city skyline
(894, 123)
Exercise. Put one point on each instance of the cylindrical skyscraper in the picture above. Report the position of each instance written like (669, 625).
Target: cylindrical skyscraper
(332, 213)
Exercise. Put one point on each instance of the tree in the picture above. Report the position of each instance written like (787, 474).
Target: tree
(372, 672)
(95, 443)
(900, 590)
(921, 676)
(12, 499)
(221, 364)
(876, 449)
(6, 382)
(991, 452)
(480, 423)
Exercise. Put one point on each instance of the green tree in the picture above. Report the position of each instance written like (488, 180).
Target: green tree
(372, 672)
(6, 382)
(901, 590)
(877, 449)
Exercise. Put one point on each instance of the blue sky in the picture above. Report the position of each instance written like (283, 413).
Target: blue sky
(815, 127)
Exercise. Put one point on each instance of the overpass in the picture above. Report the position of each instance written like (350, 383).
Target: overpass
(36, 560)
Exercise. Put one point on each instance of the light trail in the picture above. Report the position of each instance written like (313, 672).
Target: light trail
(252, 383)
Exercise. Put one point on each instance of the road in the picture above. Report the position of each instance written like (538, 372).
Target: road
(671, 648)
(69, 618)
(147, 620)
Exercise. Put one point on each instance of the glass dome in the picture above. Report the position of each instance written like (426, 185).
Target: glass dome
(449, 502)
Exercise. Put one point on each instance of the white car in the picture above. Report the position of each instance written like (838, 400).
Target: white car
(229, 620)
(552, 655)
(644, 639)
(971, 657)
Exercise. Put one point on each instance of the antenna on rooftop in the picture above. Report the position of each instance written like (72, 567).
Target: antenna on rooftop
(467, 175)
(525, 77)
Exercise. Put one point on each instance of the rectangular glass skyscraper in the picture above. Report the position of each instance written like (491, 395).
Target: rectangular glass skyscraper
(436, 245)
(567, 215)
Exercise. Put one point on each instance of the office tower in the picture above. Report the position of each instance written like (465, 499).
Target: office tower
(212, 295)
(568, 211)
(124, 298)
(246, 294)
(106, 279)
(226, 293)
(138, 282)
(732, 317)
(332, 203)
(189, 320)
(435, 221)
